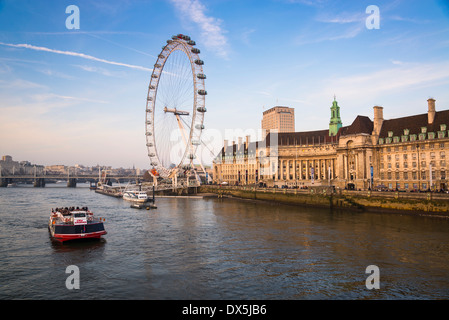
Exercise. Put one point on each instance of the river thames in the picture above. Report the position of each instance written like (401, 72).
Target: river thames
(218, 249)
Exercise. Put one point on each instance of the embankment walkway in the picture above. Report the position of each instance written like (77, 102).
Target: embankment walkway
(428, 203)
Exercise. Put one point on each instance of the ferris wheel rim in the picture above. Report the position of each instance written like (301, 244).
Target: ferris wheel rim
(183, 44)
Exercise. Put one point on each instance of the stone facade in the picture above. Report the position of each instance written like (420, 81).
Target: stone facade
(406, 153)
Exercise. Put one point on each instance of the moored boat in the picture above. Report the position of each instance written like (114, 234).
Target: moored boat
(135, 196)
(74, 224)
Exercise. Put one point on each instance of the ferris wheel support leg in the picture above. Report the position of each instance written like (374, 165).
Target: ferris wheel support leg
(154, 179)
(174, 181)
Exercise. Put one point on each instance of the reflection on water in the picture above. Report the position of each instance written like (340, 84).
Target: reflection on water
(218, 249)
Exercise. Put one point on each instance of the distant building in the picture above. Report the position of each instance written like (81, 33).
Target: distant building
(279, 118)
(56, 169)
(10, 167)
(407, 153)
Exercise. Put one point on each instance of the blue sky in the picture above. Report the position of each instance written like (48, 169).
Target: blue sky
(78, 96)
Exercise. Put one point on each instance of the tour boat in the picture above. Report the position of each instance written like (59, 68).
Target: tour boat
(75, 224)
(135, 196)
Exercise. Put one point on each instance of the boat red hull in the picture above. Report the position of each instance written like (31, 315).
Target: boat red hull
(68, 232)
(70, 237)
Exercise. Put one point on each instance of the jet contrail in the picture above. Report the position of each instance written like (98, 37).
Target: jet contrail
(74, 54)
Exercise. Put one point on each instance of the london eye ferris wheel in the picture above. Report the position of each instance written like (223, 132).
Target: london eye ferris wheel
(175, 106)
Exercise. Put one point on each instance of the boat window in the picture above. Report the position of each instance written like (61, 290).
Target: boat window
(80, 215)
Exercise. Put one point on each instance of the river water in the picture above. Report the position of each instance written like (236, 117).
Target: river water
(218, 249)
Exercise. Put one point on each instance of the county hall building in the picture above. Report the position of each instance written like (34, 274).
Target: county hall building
(407, 153)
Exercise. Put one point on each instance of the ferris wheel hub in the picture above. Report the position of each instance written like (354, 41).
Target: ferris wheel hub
(176, 111)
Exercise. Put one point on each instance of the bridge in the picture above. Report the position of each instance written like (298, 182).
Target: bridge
(40, 179)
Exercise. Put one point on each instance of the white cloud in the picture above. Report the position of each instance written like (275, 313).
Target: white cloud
(211, 30)
(74, 54)
(330, 36)
(343, 18)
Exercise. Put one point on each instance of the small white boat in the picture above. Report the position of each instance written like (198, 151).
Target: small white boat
(135, 196)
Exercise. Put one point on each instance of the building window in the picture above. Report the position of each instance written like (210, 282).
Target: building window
(397, 175)
(431, 135)
(406, 132)
(442, 127)
(442, 145)
(423, 129)
(443, 174)
(395, 139)
(422, 136)
(441, 134)
(423, 175)
(404, 138)
(442, 155)
(405, 164)
(413, 137)
(381, 140)
(424, 186)
(414, 175)
(388, 140)
(390, 134)
(388, 175)
(406, 186)
(406, 176)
